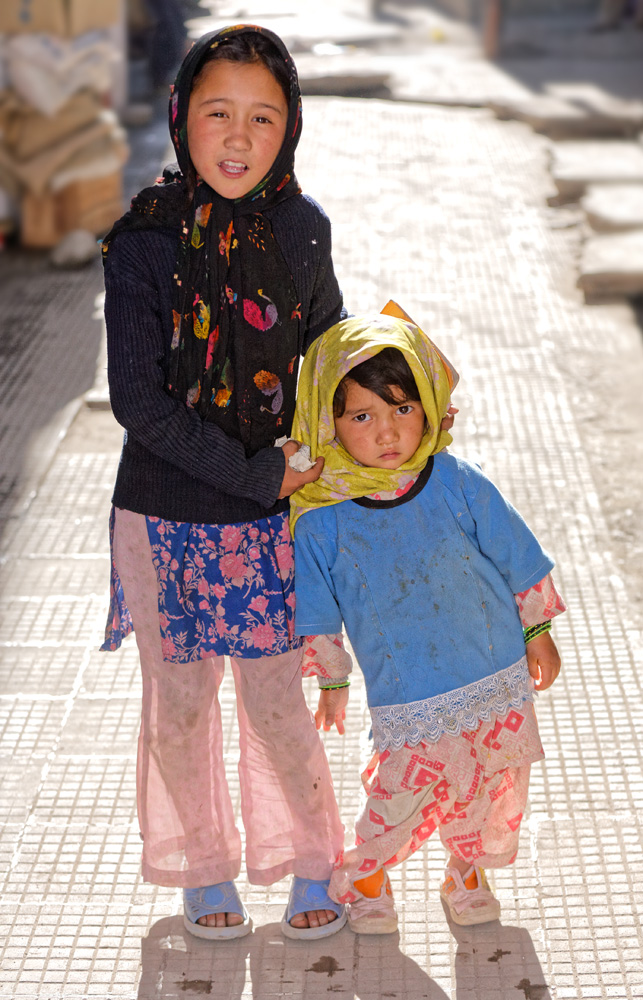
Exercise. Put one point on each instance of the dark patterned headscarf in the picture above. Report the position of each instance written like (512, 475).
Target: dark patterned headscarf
(234, 351)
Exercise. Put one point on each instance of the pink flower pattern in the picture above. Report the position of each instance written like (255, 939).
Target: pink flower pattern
(223, 590)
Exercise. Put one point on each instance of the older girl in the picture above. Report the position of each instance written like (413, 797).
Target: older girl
(217, 279)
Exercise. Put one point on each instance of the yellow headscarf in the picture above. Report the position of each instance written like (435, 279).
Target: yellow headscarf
(332, 356)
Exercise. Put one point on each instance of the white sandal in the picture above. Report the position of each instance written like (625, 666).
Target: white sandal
(469, 904)
(374, 915)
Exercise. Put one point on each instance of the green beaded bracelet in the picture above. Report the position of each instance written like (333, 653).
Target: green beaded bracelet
(535, 630)
(335, 687)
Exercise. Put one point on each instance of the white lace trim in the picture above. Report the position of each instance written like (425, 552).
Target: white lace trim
(450, 713)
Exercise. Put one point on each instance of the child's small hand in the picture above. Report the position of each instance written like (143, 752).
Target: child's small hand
(292, 480)
(449, 420)
(332, 709)
(543, 660)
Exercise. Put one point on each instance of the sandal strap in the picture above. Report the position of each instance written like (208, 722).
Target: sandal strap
(460, 896)
(310, 894)
(220, 898)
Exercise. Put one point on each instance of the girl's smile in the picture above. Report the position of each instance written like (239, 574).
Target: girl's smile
(376, 433)
(236, 125)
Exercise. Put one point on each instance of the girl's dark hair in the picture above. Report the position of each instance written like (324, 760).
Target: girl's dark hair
(387, 370)
(249, 49)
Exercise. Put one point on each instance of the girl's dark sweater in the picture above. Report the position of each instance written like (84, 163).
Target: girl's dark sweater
(174, 465)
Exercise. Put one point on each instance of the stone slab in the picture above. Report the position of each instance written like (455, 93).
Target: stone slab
(301, 31)
(546, 114)
(612, 265)
(600, 102)
(454, 75)
(577, 164)
(343, 74)
(614, 207)
(576, 111)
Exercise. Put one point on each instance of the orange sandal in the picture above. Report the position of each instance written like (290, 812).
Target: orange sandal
(375, 912)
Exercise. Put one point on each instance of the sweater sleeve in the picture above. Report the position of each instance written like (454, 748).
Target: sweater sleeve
(502, 534)
(167, 427)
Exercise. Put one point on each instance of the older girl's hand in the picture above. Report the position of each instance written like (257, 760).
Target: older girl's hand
(449, 420)
(294, 480)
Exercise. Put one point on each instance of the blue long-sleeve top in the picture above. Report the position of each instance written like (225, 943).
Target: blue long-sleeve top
(425, 586)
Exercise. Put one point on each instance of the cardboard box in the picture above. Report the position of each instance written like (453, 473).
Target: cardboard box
(64, 18)
(38, 221)
(90, 204)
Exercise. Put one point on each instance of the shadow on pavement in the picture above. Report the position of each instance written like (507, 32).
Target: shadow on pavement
(50, 335)
(176, 965)
(496, 960)
(491, 961)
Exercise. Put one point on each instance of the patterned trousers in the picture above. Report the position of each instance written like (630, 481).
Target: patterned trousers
(472, 788)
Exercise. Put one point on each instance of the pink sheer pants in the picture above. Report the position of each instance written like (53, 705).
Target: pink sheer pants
(288, 806)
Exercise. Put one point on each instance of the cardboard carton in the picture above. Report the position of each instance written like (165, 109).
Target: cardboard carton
(64, 18)
(88, 204)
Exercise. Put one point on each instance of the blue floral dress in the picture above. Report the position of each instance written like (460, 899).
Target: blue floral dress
(223, 589)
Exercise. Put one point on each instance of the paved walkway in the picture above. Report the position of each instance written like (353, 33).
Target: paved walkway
(445, 210)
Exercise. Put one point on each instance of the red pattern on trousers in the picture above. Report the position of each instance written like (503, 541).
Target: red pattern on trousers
(472, 788)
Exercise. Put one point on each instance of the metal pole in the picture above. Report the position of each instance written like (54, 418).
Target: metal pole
(491, 25)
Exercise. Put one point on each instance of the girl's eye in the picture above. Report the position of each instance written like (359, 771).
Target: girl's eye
(361, 418)
(405, 408)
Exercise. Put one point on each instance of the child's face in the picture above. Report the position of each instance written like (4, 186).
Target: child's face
(236, 124)
(376, 433)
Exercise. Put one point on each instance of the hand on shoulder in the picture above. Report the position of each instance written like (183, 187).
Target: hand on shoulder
(292, 480)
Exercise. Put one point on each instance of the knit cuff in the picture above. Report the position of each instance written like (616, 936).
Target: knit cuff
(267, 470)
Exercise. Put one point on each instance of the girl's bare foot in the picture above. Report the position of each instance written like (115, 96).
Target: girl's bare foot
(309, 914)
(215, 912)
(313, 918)
(220, 920)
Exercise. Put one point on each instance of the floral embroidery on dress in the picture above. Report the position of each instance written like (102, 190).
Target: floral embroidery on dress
(224, 589)
(119, 620)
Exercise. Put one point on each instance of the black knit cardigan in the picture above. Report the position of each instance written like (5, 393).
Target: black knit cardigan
(173, 464)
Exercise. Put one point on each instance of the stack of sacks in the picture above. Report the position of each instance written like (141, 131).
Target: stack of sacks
(61, 150)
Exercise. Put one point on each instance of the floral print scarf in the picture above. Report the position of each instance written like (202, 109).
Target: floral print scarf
(332, 356)
(235, 344)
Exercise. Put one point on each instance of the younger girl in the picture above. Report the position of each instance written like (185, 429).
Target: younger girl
(217, 280)
(434, 574)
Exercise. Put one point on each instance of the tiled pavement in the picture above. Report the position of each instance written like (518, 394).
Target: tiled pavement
(446, 212)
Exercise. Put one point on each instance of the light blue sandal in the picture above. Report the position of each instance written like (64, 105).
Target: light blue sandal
(221, 898)
(307, 894)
